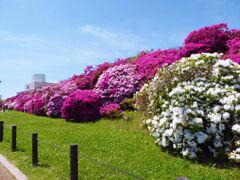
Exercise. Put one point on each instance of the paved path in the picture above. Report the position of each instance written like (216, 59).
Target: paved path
(4, 174)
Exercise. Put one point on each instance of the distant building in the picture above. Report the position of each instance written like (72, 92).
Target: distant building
(38, 81)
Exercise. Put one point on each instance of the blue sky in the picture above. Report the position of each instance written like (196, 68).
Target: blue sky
(61, 37)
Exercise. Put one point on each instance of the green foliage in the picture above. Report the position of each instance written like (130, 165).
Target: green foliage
(127, 104)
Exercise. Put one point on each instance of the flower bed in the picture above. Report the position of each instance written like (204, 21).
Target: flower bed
(149, 62)
(121, 79)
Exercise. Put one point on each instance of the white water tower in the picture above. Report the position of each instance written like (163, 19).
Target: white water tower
(39, 78)
(38, 81)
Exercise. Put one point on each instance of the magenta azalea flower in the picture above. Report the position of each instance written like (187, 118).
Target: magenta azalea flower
(112, 110)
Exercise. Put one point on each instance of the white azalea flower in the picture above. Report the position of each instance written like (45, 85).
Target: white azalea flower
(198, 120)
(148, 121)
(237, 107)
(223, 63)
(201, 137)
(226, 115)
(236, 128)
(214, 117)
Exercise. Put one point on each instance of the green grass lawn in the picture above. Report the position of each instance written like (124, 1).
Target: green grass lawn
(122, 144)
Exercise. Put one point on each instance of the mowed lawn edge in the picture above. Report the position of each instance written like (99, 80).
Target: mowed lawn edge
(103, 145)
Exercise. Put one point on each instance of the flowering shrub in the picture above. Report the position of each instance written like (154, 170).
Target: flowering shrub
(46, 92)
(36, 105)
(112, 110)
(55, 105)
(81, 105)
(66, 87)
(17, 102)
(149, 62)
(208, 39)
(234, 49)
(118, 82)
(20, 101)
(234, 33)
(235, 154)
(195, 106)
(119, 62)
(89, 78)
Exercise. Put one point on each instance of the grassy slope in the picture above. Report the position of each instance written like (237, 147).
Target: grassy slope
(124, 144)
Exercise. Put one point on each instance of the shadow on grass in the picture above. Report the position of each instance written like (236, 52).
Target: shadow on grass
(43, 165)
(126, 116)
(21, 149)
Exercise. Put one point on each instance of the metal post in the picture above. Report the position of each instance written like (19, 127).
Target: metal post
(14, 138)
(1, 131)
(34, 149)
(74, 161)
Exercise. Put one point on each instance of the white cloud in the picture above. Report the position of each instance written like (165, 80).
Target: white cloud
(98, 32)
(118, 39)
(19, 39)
(23, 39)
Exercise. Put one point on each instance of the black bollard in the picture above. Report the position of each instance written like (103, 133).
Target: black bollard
(34, 149)
(1, 131)
(14, 138)
(74, 161)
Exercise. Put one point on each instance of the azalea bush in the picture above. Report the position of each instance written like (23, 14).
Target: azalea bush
(66, 87)
(54, 106)
(112, 110)
(235, 154)
(20, 101)
(89, 78)
(234, 49)
(149, 62)
(118, 82)
(17, 102)
(9, 102)
(215, 38)
(208, 39)
(82, 105)
(36, 105)
(195, 106)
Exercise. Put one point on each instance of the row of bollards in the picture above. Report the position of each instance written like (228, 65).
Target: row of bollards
(35, 163)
